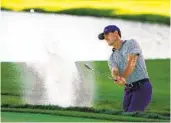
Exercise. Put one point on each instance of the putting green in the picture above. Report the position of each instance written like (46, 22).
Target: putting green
(30, 117)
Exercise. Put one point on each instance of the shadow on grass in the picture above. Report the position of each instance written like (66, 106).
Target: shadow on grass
(109, 13)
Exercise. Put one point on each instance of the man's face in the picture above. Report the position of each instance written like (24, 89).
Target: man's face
(111, 37)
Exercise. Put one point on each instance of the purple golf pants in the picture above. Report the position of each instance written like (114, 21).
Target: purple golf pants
(137, 99)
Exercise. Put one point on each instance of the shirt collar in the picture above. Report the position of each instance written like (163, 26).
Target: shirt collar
(122, 43)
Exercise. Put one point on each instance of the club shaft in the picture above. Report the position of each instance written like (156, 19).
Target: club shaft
(97, 72)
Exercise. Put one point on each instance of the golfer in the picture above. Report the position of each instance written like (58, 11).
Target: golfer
(128, 67)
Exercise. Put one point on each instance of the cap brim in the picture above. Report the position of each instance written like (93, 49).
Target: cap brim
(101, 36)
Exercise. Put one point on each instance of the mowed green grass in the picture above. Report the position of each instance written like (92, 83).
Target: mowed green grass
(11, 83)
(110, 95)
(10, 78)
(31, 117)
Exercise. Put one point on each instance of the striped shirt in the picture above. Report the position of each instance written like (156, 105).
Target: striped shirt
(119, 59)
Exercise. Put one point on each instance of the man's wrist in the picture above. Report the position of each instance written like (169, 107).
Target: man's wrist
(122, 79)
(123, 76)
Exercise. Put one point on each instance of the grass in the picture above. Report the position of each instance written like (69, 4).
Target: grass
(11, 78)
(84, 115)
(11, 91)
(30, 117)
(11, 99)
(151, 115)
(139, 10)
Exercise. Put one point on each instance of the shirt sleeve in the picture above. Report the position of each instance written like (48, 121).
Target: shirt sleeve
(133, 48)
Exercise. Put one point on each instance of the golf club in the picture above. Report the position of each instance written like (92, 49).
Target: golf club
(97, 72)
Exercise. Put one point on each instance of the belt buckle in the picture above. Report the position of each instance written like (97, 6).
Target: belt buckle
(130, 85)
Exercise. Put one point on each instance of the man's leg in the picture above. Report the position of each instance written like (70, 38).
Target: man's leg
(127, 99)
(140, 98)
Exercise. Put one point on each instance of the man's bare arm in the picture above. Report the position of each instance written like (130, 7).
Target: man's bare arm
(131, 63)
(117, 78)
(115, 72)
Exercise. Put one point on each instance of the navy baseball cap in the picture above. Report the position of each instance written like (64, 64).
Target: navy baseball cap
(107, 29)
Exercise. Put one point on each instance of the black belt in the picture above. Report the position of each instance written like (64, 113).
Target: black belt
(137, 83)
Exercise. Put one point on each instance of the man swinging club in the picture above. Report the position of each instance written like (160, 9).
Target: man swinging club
(128, 68)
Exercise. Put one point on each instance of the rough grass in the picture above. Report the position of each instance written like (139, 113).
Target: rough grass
(90, 110)
(85, 115)
(138, 10)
